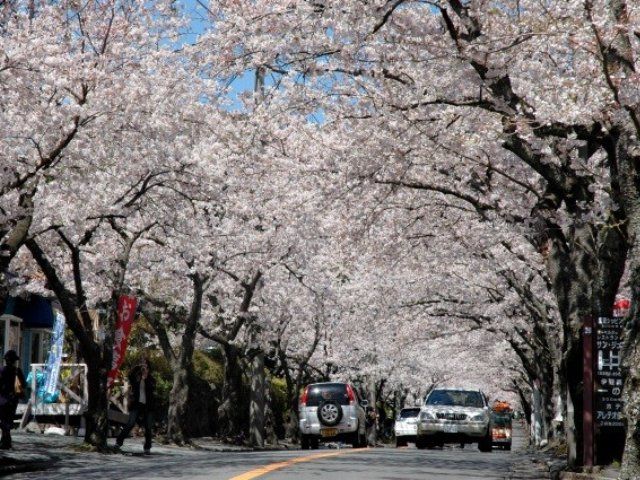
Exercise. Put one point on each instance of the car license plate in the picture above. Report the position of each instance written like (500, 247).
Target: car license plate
(448, 428)
(329, 432)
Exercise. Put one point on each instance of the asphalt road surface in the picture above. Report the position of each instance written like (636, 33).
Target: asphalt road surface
(450, 463)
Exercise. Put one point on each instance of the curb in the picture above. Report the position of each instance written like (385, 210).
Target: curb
(23, 467)
(238, 449)
(557, 468)
(538, 466)
(586, 476)
(227, 450)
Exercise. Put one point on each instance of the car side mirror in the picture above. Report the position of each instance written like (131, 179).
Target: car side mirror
(364, 403)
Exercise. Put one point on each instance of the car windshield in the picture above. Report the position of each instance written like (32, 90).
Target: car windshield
(327, 391)
(409, 413)
(501, 419)
(455, 398)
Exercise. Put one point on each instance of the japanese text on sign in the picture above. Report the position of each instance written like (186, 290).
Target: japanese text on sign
(608, 374)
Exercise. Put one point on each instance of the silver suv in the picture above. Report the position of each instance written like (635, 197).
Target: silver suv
(454, 416)
(329, 412)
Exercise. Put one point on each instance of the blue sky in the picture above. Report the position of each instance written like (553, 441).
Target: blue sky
(197, 11)
(199, 23)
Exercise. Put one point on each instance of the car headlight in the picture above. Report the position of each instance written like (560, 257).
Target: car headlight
(427, 416)
(478, 417)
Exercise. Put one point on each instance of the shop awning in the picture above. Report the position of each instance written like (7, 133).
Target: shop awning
(35, 312)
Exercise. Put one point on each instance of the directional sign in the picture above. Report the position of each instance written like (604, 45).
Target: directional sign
(608, 378)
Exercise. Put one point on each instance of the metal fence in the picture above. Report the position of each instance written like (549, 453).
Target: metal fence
(70, 399)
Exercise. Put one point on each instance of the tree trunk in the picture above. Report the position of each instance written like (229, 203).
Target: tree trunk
(539, 426)
(257, 404)
(577, 271)
(560, 409)
(524, 401)
(96, 355)
(270, 421)
(230, 411)
(630, 185)
(372, 431)
(178, 405)
(293, 426)
(97, 409)
(13, 237)
(178, 428)
(399, 399)
(631, 396)
(574, 386)
(292, 430)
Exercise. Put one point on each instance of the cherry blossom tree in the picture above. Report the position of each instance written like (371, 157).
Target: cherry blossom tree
(100, 100)
(419, 176)
(474, 100)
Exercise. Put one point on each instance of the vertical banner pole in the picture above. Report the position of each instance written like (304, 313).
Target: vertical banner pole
(126, 313)
(54, 359)
(587, 396)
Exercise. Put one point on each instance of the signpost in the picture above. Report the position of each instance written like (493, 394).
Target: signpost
(608, 373)
(602, 376)
(588, 442)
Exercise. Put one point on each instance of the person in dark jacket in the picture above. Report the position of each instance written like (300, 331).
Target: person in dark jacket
(141, 403)
(9, 397)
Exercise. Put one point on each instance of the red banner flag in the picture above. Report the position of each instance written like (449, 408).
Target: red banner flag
(126, 313)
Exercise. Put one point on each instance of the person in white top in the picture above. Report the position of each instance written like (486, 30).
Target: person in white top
(141, 403)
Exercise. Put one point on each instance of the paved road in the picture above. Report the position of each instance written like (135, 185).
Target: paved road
(390, 464)
(347, 464)
(344, 464)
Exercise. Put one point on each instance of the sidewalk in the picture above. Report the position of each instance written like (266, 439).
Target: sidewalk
(599, 473)
(541, 464)
(537, 465)
(33, 451)
(36, 451)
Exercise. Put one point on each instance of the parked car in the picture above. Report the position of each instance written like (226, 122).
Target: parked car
(501, 428)
(406, 426)
(331, 412)
(453, 415)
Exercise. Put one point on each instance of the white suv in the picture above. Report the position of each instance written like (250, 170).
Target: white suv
(406, 426)
(331, 411)
(454, 416)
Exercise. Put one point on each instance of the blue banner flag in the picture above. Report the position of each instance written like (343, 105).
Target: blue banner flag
(52, 369)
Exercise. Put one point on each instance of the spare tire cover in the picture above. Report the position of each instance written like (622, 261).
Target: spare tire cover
(329, 413)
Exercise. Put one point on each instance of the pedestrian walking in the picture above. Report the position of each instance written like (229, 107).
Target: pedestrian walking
(141, 403)
(12, 388)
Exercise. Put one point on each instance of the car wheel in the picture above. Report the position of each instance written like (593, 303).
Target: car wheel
(400, 442)
(329, 413)
(315, 443)
(421, 443)
(355, 439)
(359, 439)
(486, 444)
(304, 442)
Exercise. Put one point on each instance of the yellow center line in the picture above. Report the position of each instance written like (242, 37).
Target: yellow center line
(258, 472)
